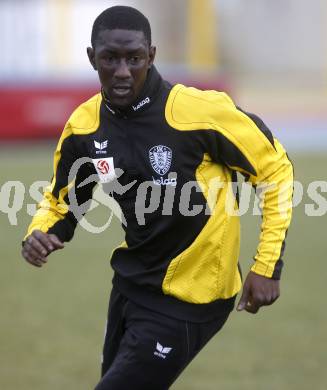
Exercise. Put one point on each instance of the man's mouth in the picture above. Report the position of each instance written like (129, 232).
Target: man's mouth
(121, 90)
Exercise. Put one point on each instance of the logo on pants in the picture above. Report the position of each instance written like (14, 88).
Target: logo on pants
(161, 351)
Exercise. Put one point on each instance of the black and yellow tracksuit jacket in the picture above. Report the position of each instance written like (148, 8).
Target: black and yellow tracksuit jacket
(183, 265)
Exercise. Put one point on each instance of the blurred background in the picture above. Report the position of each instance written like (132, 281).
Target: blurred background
(271, 57)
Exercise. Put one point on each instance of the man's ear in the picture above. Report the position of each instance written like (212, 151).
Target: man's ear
(91, 55)
(152, 55)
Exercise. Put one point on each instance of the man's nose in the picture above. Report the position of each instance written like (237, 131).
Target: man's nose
(122, 70)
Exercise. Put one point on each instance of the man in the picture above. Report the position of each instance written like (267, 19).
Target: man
(176, 275)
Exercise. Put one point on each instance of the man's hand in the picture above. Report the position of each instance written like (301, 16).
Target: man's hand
(38, 246)
(258, 291)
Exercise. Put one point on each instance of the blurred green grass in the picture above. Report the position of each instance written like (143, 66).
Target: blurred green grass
(52, 320)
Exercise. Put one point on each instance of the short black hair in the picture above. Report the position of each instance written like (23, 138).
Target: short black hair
(121, 17)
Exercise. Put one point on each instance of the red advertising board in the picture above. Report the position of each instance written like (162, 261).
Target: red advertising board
(38, 111)
(41, 111)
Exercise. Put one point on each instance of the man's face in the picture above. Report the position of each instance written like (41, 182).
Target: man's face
(122, 59)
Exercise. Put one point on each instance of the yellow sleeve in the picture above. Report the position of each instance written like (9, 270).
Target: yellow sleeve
(55, 214)
(275, 177)
(54, 206)
(244, 143)
(247, 146)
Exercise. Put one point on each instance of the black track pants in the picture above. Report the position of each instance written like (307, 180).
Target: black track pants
(146, 350)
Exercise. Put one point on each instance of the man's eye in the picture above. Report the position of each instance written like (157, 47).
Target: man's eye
(134, 59)
(109, 59)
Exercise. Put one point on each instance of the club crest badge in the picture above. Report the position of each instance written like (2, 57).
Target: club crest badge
(160, 159)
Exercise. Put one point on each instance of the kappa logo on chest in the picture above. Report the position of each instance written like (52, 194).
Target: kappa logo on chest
(160, 159)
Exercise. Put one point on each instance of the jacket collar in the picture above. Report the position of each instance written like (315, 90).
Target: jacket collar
(150, 90)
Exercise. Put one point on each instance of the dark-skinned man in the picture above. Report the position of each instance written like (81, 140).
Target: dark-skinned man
(176, 275)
